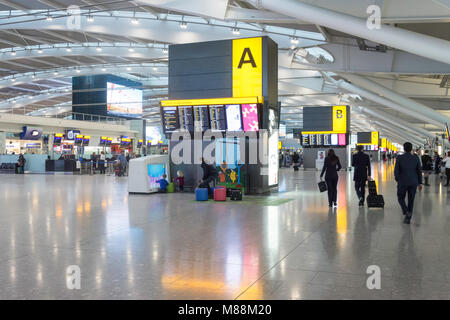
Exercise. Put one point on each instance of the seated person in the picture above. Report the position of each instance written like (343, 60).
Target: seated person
(163, 183)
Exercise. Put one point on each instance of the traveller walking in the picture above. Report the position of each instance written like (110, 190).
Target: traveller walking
(331, 166)
(361, 162)
(427, 167)
(408, 174)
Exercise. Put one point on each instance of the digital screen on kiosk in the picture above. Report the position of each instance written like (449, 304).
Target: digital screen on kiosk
(234, 122)
(217, 117)
(250, 117)
(170, 119)
(201, 118)
(186, 118)
(155, 172)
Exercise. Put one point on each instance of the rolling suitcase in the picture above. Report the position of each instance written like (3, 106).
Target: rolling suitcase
(372, 185)
(374, 200)
(236, 195)
(295, 168)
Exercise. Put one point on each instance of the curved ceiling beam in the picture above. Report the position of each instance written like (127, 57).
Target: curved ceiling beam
(82, 70)
(163, 31)
(23, 101)
(413, 42)
(108, 49)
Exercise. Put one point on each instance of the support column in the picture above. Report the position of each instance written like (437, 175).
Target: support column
(2, 142)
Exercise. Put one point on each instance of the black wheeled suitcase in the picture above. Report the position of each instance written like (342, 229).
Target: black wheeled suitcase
(372, 187)
(375, 201)
(295, 168)
(236, 195)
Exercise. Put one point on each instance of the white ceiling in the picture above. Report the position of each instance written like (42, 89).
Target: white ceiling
(38, 57)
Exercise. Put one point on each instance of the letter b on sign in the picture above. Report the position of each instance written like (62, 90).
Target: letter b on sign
(339, 114)
(73, 277)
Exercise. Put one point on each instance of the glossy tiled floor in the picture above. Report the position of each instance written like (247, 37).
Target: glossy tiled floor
(170, 247)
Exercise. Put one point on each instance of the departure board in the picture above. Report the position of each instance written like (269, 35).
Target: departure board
(217, 117)
(327, 139)
(313, 140)
(186, 118)
(170, 119)
(201, 118)
(320, 139)
(305, 140)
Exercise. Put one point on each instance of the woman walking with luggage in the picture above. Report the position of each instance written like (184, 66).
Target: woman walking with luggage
(331, 166)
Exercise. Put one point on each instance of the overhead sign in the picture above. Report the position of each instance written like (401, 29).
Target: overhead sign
(339, 118)
(375, 138)
(247, 67)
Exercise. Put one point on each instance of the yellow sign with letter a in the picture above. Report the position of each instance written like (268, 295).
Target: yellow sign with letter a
(247, 67)
(340, 119)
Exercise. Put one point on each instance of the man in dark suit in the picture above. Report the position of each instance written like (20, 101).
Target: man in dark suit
(361, 162)
(408, 174)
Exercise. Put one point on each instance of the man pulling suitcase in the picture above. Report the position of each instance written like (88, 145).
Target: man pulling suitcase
(361, 162)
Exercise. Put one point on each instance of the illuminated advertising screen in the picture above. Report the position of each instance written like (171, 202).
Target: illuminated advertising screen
(234, 122)
(334, 139)
(250, 117)
(123, 101)
(342, 139)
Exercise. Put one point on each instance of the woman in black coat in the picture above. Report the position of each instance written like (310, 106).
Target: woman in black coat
(331, 166)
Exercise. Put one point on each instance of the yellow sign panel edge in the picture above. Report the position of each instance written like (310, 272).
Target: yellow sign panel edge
(201, 102)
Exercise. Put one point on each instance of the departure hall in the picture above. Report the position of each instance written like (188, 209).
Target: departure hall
(224, 150)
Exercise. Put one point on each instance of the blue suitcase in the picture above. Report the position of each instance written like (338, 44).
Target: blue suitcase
(201, 194)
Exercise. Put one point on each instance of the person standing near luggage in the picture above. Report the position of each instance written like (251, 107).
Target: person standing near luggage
(331, 166)
(408, 174)
(427, 166)
(210, 174)
(446, 163)
(101, 162)
(361, 162)
(295, 161)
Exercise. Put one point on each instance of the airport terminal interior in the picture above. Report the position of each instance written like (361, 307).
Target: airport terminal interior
(224, 149)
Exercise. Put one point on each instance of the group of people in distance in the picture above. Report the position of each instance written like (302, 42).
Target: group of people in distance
(410, 171)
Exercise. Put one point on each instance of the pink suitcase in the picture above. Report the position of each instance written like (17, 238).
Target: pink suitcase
(220, 194)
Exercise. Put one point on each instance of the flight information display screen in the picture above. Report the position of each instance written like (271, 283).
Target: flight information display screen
(323, 140)
(201, 118)
(234, 122)
(170, 119)
(186, 117)
(217, 118)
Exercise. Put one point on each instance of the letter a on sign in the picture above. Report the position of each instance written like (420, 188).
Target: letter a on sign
(247, 67)
(250, 58)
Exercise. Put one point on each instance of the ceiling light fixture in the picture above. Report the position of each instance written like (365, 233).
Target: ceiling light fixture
(13, 53)
(294, 40)
(99, 49)
(183, 25)
(131, 49)
(55, 73)
(68, 49)
(236, 31)
(134, 20)
(49, 17)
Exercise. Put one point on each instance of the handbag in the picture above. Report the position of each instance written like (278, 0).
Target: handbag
(322, 186)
